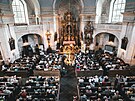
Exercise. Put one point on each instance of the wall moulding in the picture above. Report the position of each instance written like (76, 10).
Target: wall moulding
(1, 25)
(109, 27)
(130, 3)
(130, 23)
(89, 10)
(46, 8)
(48, 15)
(8, 15)
(87, 14)
(4, 25)
(47, 19)
(4, 5)
(84, 21)
(89, 7)
(30, 28)
(128, 19)
(52, 22)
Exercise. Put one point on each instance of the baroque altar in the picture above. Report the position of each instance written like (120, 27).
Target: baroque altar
(69, 33)
(69, 37)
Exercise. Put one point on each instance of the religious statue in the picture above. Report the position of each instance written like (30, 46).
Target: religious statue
(88, 31)
(55, 36)
(12, 43)
(124, 43)
(69, 32)
(69, 16)
(81, 35)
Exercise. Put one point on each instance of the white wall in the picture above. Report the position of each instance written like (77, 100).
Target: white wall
(4, 38)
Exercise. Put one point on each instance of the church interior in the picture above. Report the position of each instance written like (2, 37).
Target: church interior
(67, 50)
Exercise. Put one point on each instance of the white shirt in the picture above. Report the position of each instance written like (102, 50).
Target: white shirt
(81, 80)
(4, 68)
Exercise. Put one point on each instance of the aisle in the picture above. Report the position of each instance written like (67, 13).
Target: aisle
(68, 85)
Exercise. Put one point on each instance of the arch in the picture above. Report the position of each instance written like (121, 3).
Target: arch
(82, 3)
(28, 34)
(116, 35)
(39, 40)
(54, 3)
(115, 12)
(106, 33)
(36, 6)
(37, 10)
(27, 43)
(118, 40)
(21, 15)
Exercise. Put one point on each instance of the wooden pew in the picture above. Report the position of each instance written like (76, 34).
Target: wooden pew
(21, 73)
(46, 73)
(112, 73)
(89, 73)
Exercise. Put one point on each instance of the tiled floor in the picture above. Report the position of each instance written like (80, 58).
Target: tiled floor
(68, 85)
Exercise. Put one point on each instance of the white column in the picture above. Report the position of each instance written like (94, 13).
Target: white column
(44, 36)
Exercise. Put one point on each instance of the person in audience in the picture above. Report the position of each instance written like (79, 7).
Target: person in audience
(106, 79)
(75, 98)
(105, 98)
(31, 71)
(83, 97)
(52, 95)
(49, 50)
(105, 69)
(8, 62)
(116, 82)
(100, 79)
(99, 90)
(6, 91)
(4, 67)
(112, 90)
(78, 67)
(1, 90)
(96, 79)
(129, 91)
(116, 96)
(37, 84)
(86, 79)
(37, 50)
(81, 80)
(63, 71)
(99, 99)
(23, 94)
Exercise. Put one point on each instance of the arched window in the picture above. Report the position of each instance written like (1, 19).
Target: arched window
(118, 9)
(20, 11)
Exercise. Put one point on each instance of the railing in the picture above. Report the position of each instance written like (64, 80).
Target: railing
(108, 27)
(35, 28)
(28, 28)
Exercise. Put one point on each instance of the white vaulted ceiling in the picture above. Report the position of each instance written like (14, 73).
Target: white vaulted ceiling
(74, 6)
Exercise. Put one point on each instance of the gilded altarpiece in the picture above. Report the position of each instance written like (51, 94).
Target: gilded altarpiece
(69, 32)
(69, 37)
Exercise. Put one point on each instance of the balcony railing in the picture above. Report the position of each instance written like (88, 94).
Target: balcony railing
(108, 27)
(28, 29)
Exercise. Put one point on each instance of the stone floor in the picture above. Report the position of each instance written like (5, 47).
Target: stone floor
(68, 85)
